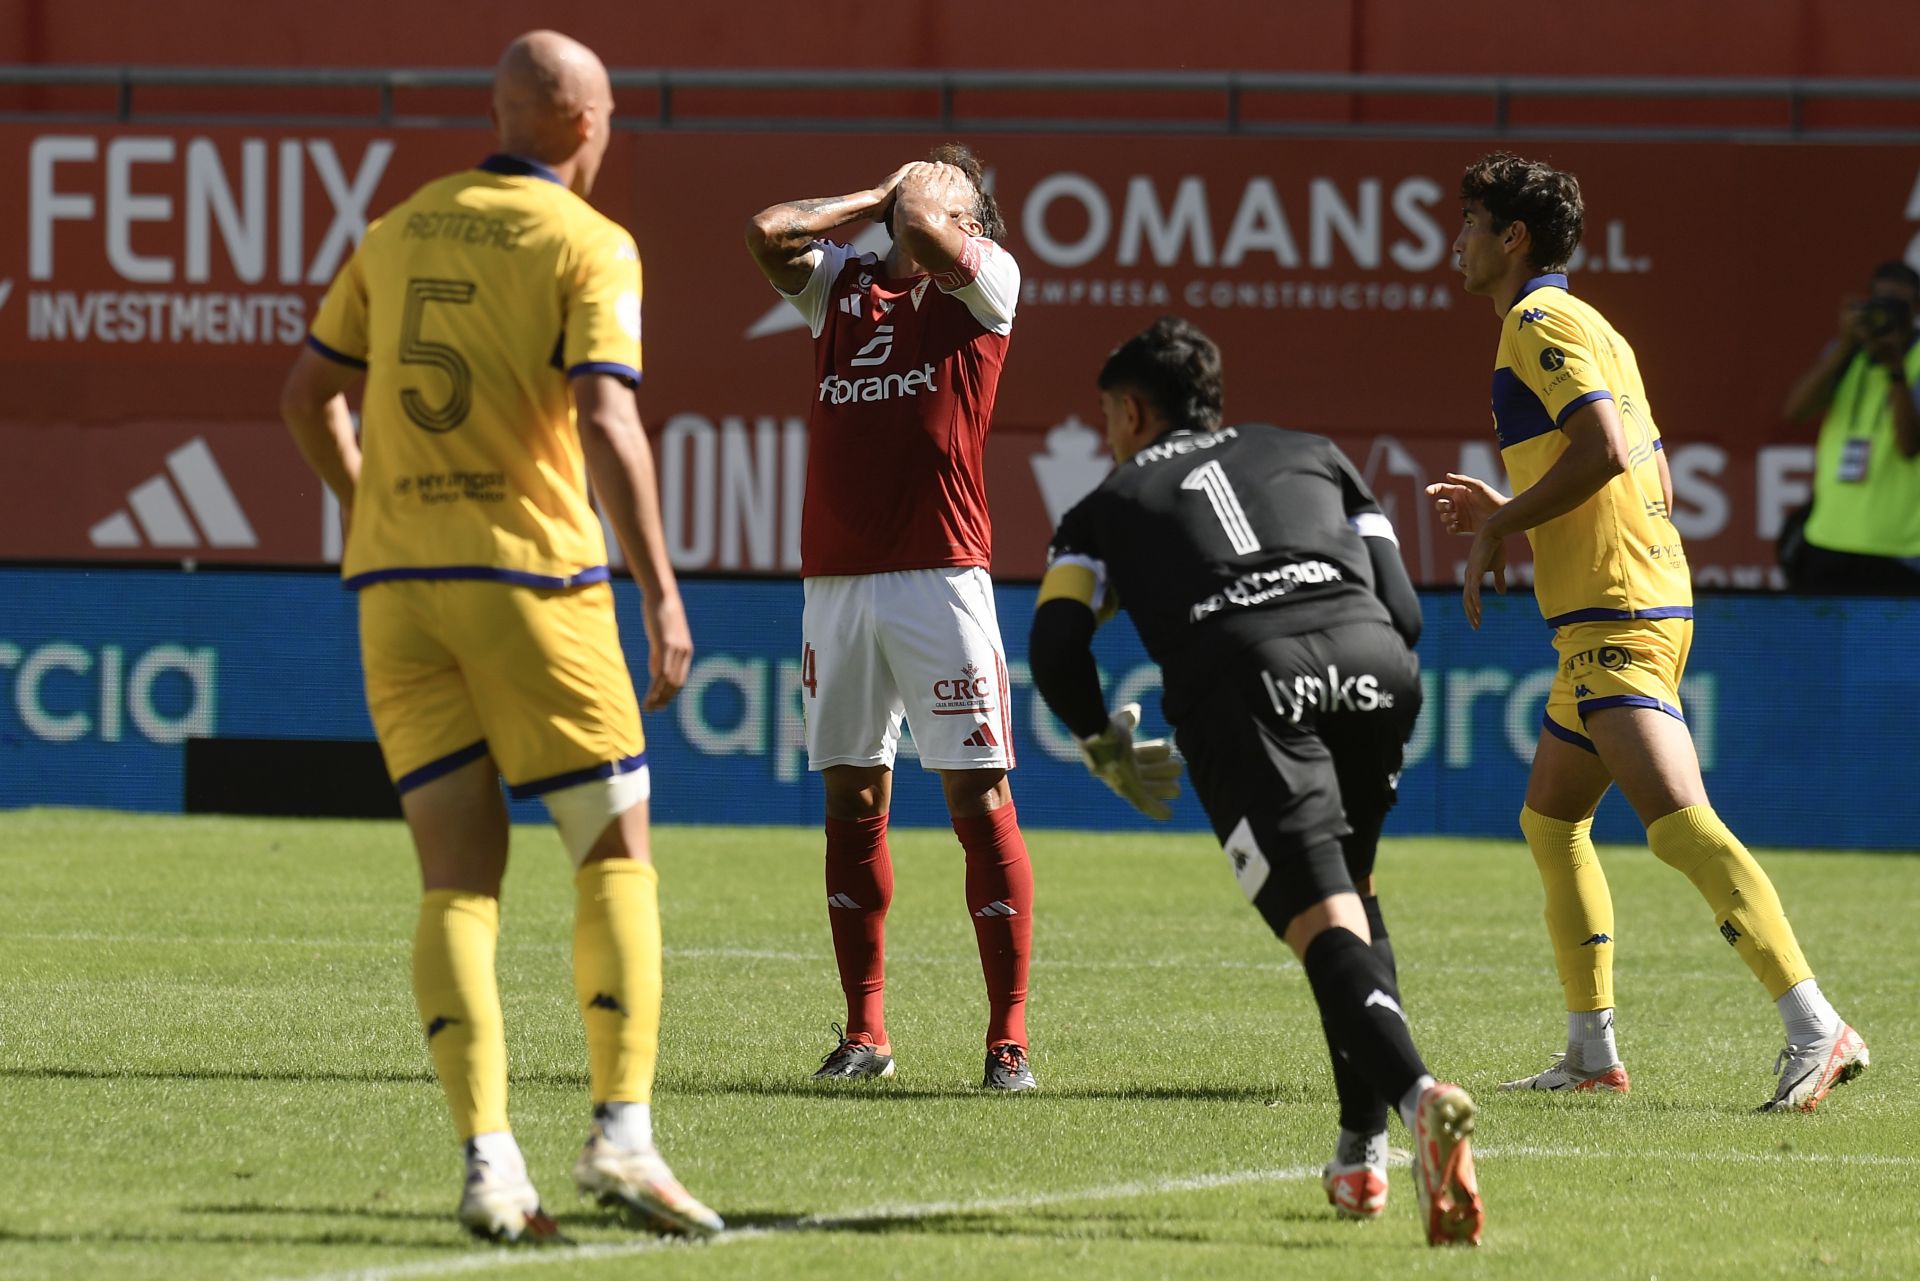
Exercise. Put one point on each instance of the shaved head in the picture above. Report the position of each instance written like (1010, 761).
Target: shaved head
(553, 102)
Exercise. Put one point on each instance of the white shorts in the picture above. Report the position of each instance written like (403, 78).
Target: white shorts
(920, 643)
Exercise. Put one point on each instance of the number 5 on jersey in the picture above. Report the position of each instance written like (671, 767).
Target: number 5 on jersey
(418, 350)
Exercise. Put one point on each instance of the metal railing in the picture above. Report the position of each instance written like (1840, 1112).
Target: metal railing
(1209, 102)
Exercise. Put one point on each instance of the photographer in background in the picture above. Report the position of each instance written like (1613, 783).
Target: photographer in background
(1863, 532)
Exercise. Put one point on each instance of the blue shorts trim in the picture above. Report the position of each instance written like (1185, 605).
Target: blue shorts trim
(338, 357)
(1587, 705)
(486, 573)
(606, 769)
(436, 769)
(1560, 731)
(1620, 615)
(1574, 406)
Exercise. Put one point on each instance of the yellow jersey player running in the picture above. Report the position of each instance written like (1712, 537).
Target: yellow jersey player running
(496, 319)
(1593, 494)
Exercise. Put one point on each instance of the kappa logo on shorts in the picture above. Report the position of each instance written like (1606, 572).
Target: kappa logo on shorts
(968, 694)
(1250, 866)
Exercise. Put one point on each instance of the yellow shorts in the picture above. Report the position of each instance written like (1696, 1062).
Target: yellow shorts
(457, 670)
(1616, 663)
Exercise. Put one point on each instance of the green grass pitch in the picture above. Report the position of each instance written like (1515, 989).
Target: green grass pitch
(209, 1068)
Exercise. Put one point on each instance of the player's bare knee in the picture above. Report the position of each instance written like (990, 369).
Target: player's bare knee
(1339, 912)
(587, 813)
(975, 791)
(857, 791)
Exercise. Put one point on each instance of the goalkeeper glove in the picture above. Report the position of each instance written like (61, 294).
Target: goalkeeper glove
(1146, 775)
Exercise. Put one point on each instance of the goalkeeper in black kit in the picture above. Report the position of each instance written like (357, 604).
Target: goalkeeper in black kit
(1266, 582)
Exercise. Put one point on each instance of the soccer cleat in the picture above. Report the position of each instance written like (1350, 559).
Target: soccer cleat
(500, 1205)
(639, 1180)
(1007, 1068)
(1807, 1073)
(1561, 1077)
(1356, 1191)
(852, 1060)
(1443, 1167)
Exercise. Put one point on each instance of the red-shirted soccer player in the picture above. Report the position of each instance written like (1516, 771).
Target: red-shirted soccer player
(894, 547)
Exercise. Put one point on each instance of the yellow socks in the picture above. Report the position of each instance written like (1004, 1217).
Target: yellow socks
(1579, 908)
(1743, 900)
(459, 1000)
(616, 975)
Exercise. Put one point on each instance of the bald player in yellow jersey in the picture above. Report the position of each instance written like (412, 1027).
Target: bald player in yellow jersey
(1593, 494)
(495, 316)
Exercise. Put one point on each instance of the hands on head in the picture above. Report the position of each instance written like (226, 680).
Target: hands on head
(943, 186)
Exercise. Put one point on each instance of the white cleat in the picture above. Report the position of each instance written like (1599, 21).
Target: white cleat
(1356, 1191)
(1562, 1078)
(501, 1205)
(1807, 1073)
(639, 1180)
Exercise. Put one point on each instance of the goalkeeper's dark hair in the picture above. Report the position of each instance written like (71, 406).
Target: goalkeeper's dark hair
(1175, 368)
(1529, 191)
(961, 157)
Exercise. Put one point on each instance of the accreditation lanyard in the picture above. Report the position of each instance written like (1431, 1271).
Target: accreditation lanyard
(1856, 452)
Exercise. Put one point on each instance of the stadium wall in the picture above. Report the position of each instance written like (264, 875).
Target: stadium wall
(155, 281)
(1800, 708)
(1629, 37)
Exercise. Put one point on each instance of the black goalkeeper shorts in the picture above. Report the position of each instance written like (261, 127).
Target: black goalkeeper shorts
(1297, 747)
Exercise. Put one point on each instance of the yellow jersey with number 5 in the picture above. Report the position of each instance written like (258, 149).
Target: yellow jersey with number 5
(1617, 555)
(470, 305)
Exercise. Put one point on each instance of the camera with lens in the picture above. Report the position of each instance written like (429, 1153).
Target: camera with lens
(1882, 317)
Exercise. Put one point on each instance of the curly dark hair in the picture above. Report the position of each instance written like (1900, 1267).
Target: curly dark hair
(1175, 367)
(961, 157)
(1532, 192)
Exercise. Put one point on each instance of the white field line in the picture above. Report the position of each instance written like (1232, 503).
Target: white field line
(969, 962)
(763, 954)
(682, 953)
(492, 1260)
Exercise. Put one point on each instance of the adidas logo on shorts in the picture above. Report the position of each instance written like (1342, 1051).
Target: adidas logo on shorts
(982, 737)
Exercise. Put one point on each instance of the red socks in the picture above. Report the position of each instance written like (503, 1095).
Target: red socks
(859, 889)
(1000, 898)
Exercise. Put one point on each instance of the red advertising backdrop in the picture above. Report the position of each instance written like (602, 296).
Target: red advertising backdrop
(154, 283)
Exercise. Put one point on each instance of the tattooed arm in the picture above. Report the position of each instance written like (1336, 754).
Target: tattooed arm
(781, 237)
